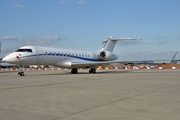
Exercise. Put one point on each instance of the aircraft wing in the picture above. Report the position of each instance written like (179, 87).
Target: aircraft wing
(136, 61)
(175, 61)
(91, 64)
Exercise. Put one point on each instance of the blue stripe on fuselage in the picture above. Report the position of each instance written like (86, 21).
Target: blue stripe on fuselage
(81, 58)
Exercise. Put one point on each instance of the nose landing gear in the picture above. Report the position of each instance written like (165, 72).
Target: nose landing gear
(20, 73)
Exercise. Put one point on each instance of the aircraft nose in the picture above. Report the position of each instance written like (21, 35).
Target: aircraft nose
(9, 59)
(5, 59)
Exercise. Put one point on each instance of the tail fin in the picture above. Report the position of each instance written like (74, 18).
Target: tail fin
(111, 42)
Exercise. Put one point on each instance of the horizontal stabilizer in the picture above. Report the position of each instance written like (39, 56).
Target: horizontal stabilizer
(110, 43)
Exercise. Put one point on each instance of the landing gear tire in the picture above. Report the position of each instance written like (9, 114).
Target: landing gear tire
(74, 71)
(20, 73)
(92, 70)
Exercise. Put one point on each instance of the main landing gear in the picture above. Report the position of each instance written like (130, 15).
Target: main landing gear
(92, 70)
(74, 71)
(20, 73)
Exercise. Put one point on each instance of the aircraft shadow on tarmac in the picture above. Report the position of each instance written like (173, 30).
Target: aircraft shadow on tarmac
(108, 72)
(86, 72)
(7, 71)
(80, 72)
(69, 73)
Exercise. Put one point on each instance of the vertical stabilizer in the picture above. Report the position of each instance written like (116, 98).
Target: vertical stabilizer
(109, 45)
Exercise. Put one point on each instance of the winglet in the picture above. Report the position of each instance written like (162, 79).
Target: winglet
(0, 49)
(174, 55)
(172, 60)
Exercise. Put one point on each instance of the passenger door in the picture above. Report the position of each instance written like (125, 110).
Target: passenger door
(39, 56)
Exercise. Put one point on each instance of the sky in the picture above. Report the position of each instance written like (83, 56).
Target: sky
(85, 24)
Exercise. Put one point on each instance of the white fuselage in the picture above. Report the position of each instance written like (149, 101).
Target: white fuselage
(35, 55)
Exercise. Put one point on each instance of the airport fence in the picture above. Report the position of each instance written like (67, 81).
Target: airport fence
(107, 68)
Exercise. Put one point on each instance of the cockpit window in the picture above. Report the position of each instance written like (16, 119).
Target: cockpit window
(24, 50)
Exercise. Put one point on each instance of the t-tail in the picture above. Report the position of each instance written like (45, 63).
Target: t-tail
(106, 53)
(111, 42)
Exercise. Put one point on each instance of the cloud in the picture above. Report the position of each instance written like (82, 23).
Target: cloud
(127, 41)
(46, 40)
(62, 2)
(49, 39)
(10, 38)
(146, 55)
(146, 42)
(161, 42)
(19, 5)
(80, 1)
(40, 17)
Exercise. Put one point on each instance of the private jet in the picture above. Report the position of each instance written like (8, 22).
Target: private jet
(74, 59)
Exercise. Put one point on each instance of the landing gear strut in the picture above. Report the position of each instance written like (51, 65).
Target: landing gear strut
(20, 73)
(92, 70)
(74, 71)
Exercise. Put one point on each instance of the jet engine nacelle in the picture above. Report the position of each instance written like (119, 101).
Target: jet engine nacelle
(106, 55)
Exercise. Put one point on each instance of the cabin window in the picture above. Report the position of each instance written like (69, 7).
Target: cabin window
(24, 50)
(27, 50)
(19, 50)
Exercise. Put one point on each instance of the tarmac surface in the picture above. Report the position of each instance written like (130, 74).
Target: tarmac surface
(107, 95)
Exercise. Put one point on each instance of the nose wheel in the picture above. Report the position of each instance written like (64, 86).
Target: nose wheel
(20, 73)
